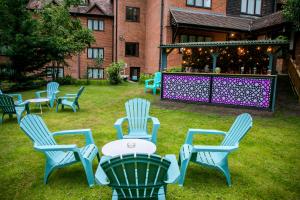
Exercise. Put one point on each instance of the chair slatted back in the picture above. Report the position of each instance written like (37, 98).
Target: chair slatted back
(52, 87)
(1, 91)
(7, 104)
(35, 128)
(79, 93)
(136, 175)
(238, 130)
(157, 78)
(137, 111)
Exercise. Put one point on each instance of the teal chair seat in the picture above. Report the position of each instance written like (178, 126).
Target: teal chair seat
(213, 156)
(70, 100)
(51, 92)
(57, 155)
(137, 111)
(153, 84)
(138, 176)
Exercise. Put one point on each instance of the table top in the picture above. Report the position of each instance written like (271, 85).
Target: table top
(126, 146)
(38, 100)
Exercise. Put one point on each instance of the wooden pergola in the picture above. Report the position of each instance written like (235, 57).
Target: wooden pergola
(276, 45)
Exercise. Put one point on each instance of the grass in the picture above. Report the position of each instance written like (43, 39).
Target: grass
(266, 166)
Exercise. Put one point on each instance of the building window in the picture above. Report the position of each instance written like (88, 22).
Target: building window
(95, 53)
(251, 7)
(96, 24)
(199, 3)
(131, 49)
(55, 72)
(193, 38)
(95, 73)
(132, 14)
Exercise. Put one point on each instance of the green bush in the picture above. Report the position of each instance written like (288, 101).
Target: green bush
(144, 77)
(67, 80)
(113, 72)
(175, 69)
(91, 82)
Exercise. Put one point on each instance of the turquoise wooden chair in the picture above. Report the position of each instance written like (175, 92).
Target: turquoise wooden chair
(213, 156)
(52, 91)
(138, 176)
(70, 100)
(154, 83)
(8, 106)
(57, 155)
(18, 96)
(137, 111)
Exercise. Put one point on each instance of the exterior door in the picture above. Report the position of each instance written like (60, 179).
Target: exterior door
(134, 73)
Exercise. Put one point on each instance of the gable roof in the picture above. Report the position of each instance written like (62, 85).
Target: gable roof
(198, 18)
(105, 6)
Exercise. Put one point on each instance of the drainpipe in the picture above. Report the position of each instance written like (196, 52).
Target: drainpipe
(161, 33)
(116, 34)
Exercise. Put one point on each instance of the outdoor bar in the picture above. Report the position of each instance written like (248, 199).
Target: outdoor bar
(246, 84)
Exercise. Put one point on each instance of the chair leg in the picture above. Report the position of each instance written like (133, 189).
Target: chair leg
(48, 171)
(154, 91)
(77, 104)
(19, 118)
(1, 120)
(57, 105)
(74, 108)
(183, 167)
(88, 168)
(225, 170)
(10, 116)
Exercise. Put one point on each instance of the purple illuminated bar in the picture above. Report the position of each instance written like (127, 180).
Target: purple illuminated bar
(240, 90)
(186, 88)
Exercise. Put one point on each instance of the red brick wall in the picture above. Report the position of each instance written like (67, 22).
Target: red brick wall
(103, 39)
(131, 32)
(152, 36)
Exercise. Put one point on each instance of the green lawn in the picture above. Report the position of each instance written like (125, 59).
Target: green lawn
(266, 166)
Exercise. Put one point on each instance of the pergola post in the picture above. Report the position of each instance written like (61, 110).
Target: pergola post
(214, 56)
(271, 58)
(164, 59)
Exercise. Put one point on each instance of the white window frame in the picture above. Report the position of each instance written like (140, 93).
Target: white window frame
(95, 24)
(95, 73)
(52, 70)
(199, 3)
(94, 52)
(251, 7)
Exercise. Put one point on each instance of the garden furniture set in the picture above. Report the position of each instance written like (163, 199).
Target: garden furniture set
(10, 106)
(128, 165)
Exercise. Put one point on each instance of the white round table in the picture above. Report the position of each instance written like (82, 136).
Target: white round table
(127, 146)
(38, 101)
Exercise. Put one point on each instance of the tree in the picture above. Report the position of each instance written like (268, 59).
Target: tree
(291, 12)
(33, 39)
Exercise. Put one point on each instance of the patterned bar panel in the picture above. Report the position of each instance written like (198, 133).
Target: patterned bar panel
(186, 88)
(245, 91)
(242, 91)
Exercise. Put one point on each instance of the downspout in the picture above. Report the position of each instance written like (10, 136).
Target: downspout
(161, 32)
(78, 65)
(116, 35)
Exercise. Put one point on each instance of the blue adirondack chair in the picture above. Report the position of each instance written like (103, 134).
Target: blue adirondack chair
(154, 83)
(57, 155)
(70, 100)
(137, 111)
(138, 176)
(8, 106)
(18, 96)
(52, 91)
(213, 156)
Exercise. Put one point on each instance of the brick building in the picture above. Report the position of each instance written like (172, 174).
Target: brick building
(133, 30)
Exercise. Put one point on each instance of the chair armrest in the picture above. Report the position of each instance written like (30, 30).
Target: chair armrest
(191, 132)
(43, 148)
(22, 104)
(206, 148)
(67, 97)
(70, 94)
(173, 171)
(38, 93)
(118, 126)
(149, 80)
(156, 125)
(86, 132)
(100, 176)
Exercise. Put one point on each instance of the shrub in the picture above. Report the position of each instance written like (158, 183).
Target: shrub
(144, 77)
(67, 80)
(113, 72)
(175, 69)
